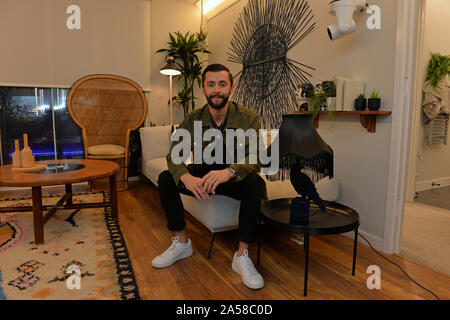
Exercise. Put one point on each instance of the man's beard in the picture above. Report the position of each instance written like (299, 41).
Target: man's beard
(219, 105)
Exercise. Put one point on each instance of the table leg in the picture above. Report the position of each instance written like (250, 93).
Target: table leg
(306, 264)
(69, 190)
(38, 219)
(355, 245)
(259, 240)
(113, 193)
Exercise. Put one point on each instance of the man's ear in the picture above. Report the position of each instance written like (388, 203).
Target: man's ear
(203, 89)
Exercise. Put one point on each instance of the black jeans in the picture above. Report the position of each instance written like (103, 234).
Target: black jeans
(248, 191)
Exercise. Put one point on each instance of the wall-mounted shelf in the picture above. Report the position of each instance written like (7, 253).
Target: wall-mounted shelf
(368, 118)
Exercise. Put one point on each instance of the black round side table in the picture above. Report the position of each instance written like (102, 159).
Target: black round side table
(338, 218)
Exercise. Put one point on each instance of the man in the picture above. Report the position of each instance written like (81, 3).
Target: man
(239, 181)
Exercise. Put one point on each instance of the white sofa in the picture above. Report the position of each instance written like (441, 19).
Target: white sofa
(221, 213)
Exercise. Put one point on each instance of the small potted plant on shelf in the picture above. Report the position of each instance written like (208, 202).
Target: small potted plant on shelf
(374, 101)
(329, 88)
(318, 101)
(303, 94)
(360, 102)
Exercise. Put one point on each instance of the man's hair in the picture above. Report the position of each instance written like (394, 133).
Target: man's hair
(216, 68)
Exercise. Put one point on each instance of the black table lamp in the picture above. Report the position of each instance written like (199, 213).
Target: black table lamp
(306, 158)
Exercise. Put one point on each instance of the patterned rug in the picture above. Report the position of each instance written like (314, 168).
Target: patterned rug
(84, 255)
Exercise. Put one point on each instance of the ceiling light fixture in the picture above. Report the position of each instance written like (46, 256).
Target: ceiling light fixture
(208, 5)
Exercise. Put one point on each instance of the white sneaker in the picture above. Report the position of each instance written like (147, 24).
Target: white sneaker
(243, 266)
(175, 252)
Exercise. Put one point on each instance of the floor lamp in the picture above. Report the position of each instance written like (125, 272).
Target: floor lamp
(170, 69)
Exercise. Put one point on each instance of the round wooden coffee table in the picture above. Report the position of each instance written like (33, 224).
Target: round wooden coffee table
(59, 172)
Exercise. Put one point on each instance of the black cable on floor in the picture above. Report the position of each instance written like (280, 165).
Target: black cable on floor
(395, 264)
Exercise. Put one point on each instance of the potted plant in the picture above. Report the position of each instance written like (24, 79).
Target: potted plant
(360, 102)
(184, 48)
(303, 94)
(374, 101)
(329, 87)
(318, 101)
(438, 68)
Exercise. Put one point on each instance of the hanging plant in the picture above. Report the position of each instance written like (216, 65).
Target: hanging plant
(438, 68)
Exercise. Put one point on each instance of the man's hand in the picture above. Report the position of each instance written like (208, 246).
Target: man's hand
(194, 185)
(214, 178)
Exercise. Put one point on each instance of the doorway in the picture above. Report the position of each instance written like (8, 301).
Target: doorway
(426, 216)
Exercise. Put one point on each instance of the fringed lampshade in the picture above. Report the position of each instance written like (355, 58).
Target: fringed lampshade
(305, 159)
(301, 148)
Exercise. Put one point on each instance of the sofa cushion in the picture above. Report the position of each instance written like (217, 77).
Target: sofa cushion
(328, 189)
(155, 142)
(106, 150)
(279, 189)
(219, 214)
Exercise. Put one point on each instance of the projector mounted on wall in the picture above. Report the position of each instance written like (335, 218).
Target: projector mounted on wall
(344, 9)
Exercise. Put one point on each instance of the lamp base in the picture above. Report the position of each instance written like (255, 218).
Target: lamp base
(299, 211)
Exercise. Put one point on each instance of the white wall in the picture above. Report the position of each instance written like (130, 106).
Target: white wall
(37, 48)
(434, 162)
(361, 158)
(168, 16)
(116, 36)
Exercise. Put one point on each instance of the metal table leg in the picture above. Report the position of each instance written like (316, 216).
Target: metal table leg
(210, 245)
(259, 240)
(306, 264)
(355, 245)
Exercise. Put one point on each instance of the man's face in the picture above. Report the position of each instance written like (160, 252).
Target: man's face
(217, 89)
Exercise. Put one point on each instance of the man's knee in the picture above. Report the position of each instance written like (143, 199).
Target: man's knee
(165, 179)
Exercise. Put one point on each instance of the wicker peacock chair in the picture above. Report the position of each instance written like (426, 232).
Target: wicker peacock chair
(107, 108)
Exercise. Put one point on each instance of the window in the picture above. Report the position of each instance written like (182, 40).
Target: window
(42, 114)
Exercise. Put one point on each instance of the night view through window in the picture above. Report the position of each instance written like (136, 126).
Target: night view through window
(42, 114)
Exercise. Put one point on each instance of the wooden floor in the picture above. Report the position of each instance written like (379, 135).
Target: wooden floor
(143, 225)
(282, 262)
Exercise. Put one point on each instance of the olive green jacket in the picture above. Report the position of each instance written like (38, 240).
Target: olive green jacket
(238, 118)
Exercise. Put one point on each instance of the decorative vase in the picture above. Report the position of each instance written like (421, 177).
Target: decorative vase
(26, 154)
(374, 104)
(16, 156)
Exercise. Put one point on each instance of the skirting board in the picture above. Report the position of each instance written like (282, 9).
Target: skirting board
(428, 184)
(376, 242)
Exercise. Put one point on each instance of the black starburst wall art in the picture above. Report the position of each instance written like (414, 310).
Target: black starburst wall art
(263, 35)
